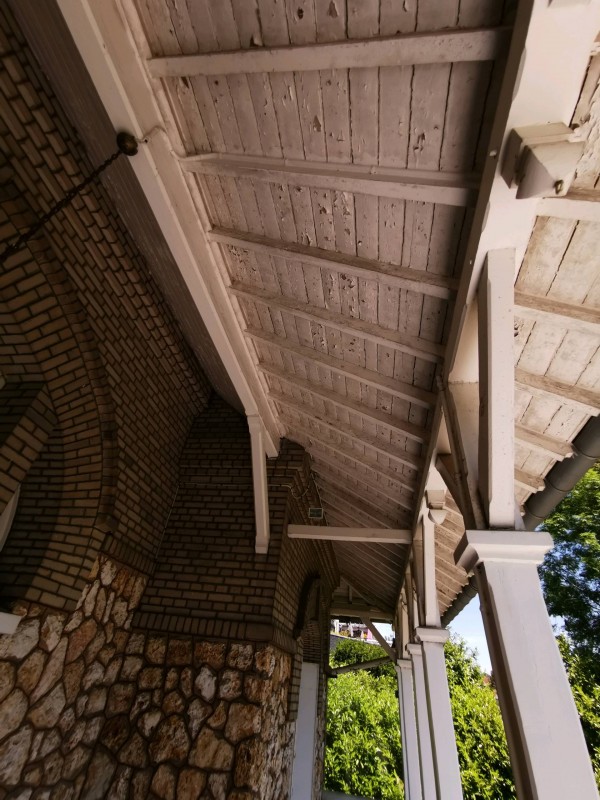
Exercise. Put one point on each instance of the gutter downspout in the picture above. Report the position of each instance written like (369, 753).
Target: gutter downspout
(558, 482)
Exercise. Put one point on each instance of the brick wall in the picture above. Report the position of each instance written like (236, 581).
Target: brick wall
(81, 313)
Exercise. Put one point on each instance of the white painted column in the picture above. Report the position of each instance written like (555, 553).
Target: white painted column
(259, 479)
(306, 730)
(547, 747)
(408, 723)
(423, 732)
(443, 740)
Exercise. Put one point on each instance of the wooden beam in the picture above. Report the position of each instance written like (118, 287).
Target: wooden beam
(370, 535)
(549, 445)
(399, 480)
(342, 429)
(358, 611)
(404, 343)
(576, 396)
(372, 415)
(382, 642)
(403, 277)
(443, 47)
(532, 483)
(577, 204)
(395, 496)
(423, 186)
(335, 482)
(584, 319)
(397, 388)
(337, 495)
(260, 484)
(350, 517)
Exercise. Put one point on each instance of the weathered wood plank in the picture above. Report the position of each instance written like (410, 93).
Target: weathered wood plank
(333, 534)
(422, 185)
(443, 47)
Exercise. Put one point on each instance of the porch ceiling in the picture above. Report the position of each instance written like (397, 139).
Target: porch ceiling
(332, 152)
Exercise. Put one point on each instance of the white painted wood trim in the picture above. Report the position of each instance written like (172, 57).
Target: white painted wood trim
(477, 44)
(405, 278)
(333, 534)
(404, 343)
(380, 638)
(422, 186)
(410, 741)
(496, 388)
(259, 480)
(306, 732)
(584, 319)
(111, 58)
(574, 205)
(424, 734)
(432, 609)
(376, 380)
(527, 547)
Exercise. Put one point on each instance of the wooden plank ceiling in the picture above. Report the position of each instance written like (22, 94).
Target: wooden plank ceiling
(338, 199)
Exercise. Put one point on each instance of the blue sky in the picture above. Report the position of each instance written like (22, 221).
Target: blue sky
(469, 625)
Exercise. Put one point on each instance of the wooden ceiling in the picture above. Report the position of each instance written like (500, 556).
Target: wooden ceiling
(334, 152)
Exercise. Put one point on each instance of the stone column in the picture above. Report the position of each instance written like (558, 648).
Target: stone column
(423, 732)
(408, 724)
(547, 747)
(443, 740)
(306, 730)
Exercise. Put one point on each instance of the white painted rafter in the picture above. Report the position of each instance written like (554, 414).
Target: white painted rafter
(376, 380)
(403, 277)
(543, 443)
(408, 429)
(423, 186)
(544, 386)
(386, 449)
(335, 534)
(404, 343)
(443, 47)
(585, 319)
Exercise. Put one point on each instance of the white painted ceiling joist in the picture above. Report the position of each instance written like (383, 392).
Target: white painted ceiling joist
(412, 345)
(581, 318)
(403, 277)
(408, 429)
(334, 534)
(576, 396)
(423, 186)
(543, 443)
(380, 446)
(376, 380)
(443, 47)
(578, 205)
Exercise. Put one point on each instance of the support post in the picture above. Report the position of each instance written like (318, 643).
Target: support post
(443, 740)
(547, 747)
(259, 479)
(306, 731)
(423, 732)
(408, 724)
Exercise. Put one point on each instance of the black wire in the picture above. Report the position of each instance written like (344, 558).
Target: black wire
(23, 238)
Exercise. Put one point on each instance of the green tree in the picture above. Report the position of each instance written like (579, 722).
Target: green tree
(482, 749)
(363, 753)
(570, 572)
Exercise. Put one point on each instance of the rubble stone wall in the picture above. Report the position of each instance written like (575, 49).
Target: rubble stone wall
(89, 709)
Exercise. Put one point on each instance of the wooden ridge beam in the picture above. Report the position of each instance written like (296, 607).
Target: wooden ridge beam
(373, 415)
(397, 388)
(576, 396)
(403, 277)
(441, 47)
(404, 343)
(335, 534)
(423, 186)
(543, 443)
(584, 319)
(342, 429)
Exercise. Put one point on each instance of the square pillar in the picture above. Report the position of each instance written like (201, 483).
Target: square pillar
(408, 723)
(306, 733)
(547, 748)
(423, 732)
(443, 739)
